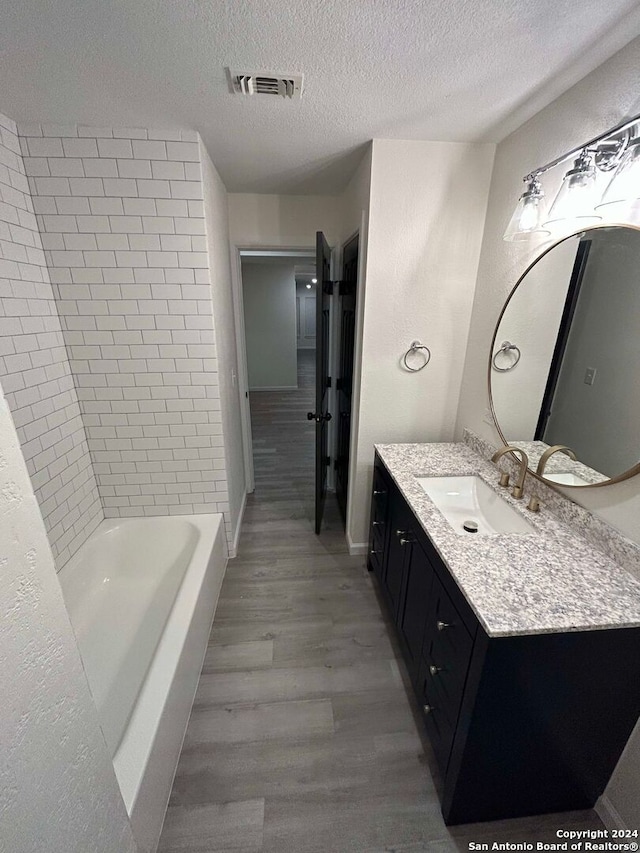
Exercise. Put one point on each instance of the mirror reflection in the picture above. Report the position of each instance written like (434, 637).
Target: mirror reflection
(565, 359)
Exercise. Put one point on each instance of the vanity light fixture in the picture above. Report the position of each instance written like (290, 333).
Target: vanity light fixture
(308, 286)
(621, 199)
(618, 151)
(314, 281)
(578, 194)
(529, 213)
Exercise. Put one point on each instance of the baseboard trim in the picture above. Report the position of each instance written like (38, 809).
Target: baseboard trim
(275, 388)
(356, 549)
(608, 813)
(233, 546)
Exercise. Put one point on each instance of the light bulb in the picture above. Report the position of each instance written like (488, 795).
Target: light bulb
(577, 195)
(308, 286)
(528, 215)
(314, 281)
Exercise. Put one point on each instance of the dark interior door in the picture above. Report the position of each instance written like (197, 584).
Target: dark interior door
(344, 380)
(322, 415)
(571, 302)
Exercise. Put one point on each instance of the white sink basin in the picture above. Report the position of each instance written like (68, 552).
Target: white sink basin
(470, 499)
(565, 478)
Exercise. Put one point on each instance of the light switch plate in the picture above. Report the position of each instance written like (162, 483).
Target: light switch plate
(589, 375)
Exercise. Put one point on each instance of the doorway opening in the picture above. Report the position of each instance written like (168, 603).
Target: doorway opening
(280, 363)
(295, 322)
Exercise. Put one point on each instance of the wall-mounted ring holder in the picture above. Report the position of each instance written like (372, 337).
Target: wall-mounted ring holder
(510, 351)
(416, 351)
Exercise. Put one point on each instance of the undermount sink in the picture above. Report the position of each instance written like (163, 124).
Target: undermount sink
(472, 507)
(565, 478)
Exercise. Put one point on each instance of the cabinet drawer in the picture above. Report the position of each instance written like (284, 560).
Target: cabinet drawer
(446, 651)
(435, 718)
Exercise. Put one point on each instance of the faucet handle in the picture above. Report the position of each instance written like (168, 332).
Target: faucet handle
(534, 503)
(517, 492)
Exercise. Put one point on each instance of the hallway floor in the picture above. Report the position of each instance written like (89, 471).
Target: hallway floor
(302, 737)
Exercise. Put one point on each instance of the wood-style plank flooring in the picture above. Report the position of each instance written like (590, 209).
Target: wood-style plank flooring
(303, 738)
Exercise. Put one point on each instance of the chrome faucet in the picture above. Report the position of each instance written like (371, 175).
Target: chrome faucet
(518, 489)
(556, 448)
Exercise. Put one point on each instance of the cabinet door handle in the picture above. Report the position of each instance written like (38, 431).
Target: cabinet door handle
(379, 492)
(400, 532)
(434, 670)
(373, 552)
(442, 625)
(406, 541)
(378, 523)
(428, 709)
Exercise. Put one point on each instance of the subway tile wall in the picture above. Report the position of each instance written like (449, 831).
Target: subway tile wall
(34, 369)
(123, 230)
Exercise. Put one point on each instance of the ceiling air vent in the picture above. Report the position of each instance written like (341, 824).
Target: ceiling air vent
(265, 83)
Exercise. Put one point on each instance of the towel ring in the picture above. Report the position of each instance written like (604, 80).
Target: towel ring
(415, 346)
(506, 346)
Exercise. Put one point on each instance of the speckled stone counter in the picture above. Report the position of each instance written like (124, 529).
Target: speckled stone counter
(559, 462)
(550, 580)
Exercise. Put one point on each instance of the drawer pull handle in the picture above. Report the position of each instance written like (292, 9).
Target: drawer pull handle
(434, 670)
(442, 625)
(406, 541)
(378, 523)
(400, 532)
(373, 552)
(428, 709)
(379, 492)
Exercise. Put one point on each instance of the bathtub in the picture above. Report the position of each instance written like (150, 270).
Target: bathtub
(141, 594)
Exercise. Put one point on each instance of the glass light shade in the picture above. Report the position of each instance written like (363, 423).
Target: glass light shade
(621, 199)
(577, 195)
(529, 213)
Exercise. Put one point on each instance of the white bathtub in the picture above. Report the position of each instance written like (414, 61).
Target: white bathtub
(141, 595)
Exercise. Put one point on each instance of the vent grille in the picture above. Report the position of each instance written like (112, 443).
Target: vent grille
(265, 83)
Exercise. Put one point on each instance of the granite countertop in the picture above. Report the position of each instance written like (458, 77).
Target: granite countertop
(548, 581)
(559, 462)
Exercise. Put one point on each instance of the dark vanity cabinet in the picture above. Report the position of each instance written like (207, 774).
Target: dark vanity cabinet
(519, 725)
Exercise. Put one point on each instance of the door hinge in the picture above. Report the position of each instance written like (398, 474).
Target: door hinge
(328, 382)
(327, 461)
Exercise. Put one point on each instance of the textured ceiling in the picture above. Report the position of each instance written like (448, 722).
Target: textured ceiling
(454, 70)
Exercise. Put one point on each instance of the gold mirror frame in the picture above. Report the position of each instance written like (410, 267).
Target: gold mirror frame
(626, 475)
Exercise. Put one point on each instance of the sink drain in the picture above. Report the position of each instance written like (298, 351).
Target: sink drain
(470, 526)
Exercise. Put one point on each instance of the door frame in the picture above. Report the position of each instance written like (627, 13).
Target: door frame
(363, 234)
(237, 249)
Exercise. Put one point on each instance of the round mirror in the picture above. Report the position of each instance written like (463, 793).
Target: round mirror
(564, 367)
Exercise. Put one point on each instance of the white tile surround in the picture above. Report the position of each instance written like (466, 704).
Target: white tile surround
(34, 369)
(122, 222)
(119, 232)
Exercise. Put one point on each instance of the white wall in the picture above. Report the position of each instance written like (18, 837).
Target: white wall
(305, 317)
(355, 205)
(289, 221)
(269, 292)
(35, 369)
(598, 102)
(59, 791)
(428, 202)
(217, 225)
